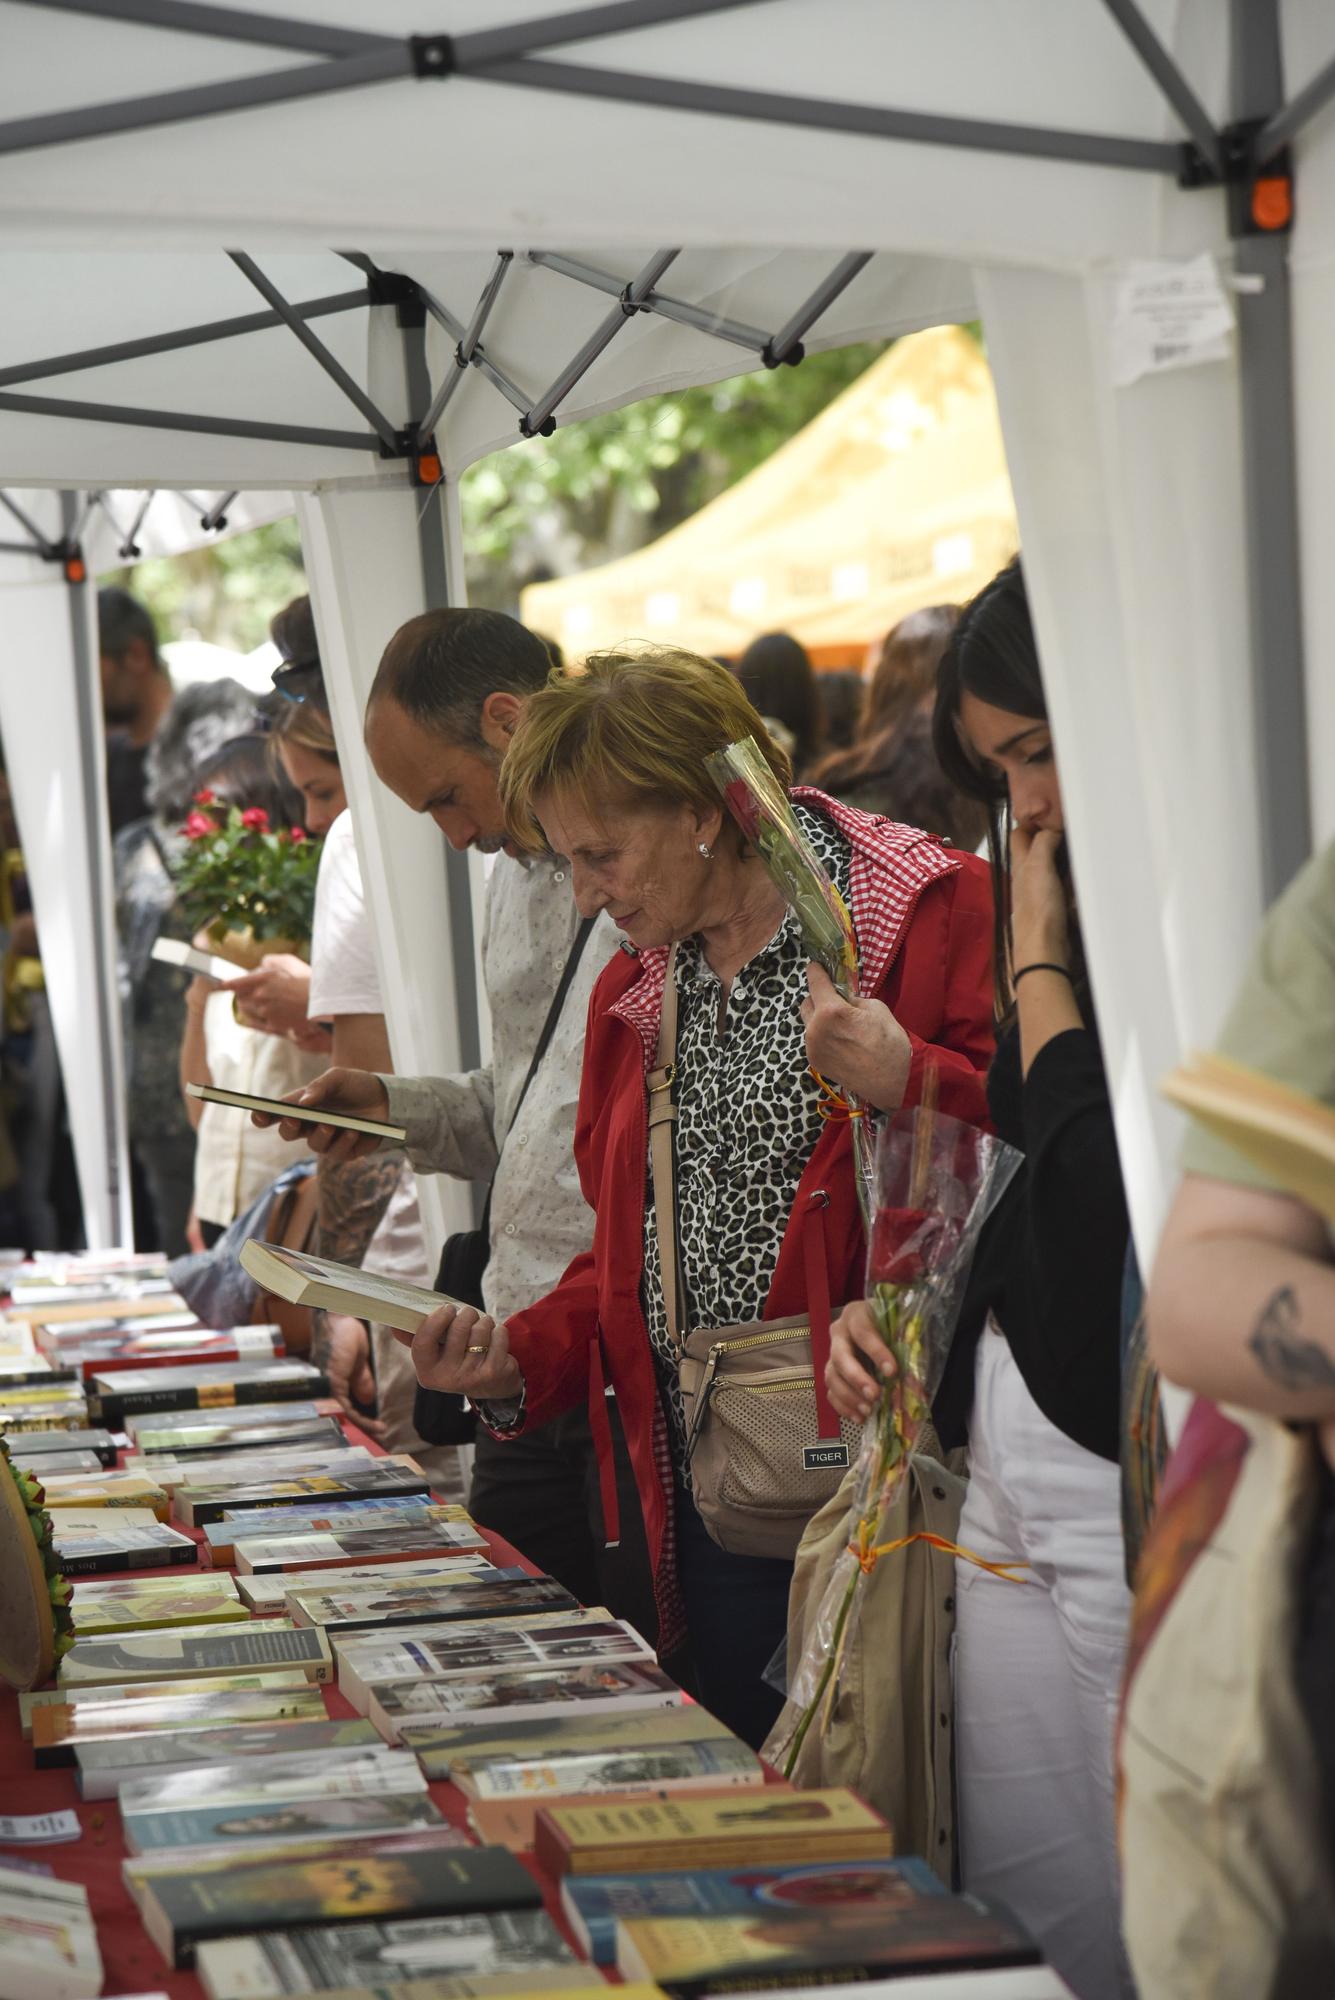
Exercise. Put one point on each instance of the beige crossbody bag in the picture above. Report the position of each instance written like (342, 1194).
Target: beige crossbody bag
(764, 1444)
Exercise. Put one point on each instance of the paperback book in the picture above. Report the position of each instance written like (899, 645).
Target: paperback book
(593, 1904)
(441, 1744)
(95, 1697)
(240, 1828)
(59, 1729)
(208, 1436)
(59, 1443)
(331, 1551)
(425, 1603)
(107, 1765)
(250, 1418)
(690, 1956)
(648, 1767)
(105, 1489)
(53, 1414)
(307, 1774)
(304, 1492)
(397, 1511)
(149, 1609)
(304, 1280)
(491, 1644)
(41, 1464)
(270, 1593)
(48, 1941)
(184, 1907)
(770, 1825)
(121, 1549)
(279, 1107)
(620, 1688)
(163, 1655)
(117, 1394)
(116, 1353)
(522, 1942)
(249, 1468)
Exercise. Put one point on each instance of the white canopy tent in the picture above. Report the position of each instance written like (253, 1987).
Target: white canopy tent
(886, 164)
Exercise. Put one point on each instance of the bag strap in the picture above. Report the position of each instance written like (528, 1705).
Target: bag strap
(581, 938)
(662, 1154)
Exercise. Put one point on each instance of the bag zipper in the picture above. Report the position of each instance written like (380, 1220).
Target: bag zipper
(712, 1359)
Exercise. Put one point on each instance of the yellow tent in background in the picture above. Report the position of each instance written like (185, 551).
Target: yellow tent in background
(894, 497)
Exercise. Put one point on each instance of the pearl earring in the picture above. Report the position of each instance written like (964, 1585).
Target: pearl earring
(708, 852)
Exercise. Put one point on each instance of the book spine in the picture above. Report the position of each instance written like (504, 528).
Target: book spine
(103, 1564)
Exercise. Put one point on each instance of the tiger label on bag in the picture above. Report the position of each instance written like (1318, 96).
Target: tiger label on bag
(820, 1457)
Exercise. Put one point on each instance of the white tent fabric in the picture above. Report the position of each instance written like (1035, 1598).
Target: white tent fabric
(49, 697)
(535, 168)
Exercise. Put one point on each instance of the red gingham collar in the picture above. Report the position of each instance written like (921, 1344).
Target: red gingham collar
(890, 867)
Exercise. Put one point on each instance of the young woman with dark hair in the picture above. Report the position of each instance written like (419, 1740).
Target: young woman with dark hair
(780, 683)
(1033, 1380)
(892, 767)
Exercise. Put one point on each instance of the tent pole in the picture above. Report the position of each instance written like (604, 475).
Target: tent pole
(1265, 353)
(820, 114)
(1169, 78)
(787, 342)
(96, 836)
(186, 420)
(1286, 123)
(227, 24)
(316, 348)
(40, 545)
(752, 338)
(170, 343)
(538, 419)
(436, 594)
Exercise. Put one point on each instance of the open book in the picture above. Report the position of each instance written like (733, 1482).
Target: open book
(170, 951)
(306, 1114)
(315, 1281)
(1288, 1135)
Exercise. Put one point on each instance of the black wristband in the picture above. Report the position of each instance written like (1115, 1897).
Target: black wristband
(1042, 965)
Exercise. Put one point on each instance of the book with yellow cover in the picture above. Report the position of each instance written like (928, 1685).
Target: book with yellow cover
(1288, 1135)
(107, 1489)
(765, 1826)
(83, 1701)
(304, 1280)
(154, 1608)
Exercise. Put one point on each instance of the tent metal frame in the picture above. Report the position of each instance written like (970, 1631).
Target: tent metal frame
(524, 54)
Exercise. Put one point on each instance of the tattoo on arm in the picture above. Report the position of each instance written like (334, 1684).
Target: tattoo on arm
(354, 1194)
(1282, 1350)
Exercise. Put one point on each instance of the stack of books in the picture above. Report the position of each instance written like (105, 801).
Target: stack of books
(48, 1943)
(285, 1848)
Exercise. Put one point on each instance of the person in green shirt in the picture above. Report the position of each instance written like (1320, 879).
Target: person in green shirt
(1242, 1302)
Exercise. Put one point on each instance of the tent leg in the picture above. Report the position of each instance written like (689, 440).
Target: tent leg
(105, 1007)
(1269, 450)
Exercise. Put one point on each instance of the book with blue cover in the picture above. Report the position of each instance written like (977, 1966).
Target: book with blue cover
(593, 1904)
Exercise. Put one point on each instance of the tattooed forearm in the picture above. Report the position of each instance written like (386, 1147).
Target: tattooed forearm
(1282, 1350)
(354, 1194)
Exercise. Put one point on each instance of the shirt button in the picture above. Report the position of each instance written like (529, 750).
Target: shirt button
(509, 1229)
(560, 875)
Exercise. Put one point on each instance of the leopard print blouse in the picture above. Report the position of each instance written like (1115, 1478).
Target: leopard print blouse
(748, 1119)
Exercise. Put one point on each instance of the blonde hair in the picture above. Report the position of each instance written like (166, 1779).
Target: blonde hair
(633, 727)
(305, 725)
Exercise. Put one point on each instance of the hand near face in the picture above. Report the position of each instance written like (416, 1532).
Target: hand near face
(857, 1044)
(462, 1352)
(1040, 927)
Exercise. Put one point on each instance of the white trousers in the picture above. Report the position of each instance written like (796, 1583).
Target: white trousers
(1037, 1671)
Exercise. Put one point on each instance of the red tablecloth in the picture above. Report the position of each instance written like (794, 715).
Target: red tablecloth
(132, 1963)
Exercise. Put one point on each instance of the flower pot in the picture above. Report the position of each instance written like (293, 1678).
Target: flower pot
(244, 949)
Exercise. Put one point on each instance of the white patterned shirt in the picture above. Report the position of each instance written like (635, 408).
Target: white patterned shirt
(540, 1220)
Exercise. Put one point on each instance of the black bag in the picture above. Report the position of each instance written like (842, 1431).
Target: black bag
(439, 1418)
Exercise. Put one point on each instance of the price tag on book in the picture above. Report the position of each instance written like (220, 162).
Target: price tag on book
(26, 1828)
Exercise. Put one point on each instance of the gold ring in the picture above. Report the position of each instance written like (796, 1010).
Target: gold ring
(475, 1350)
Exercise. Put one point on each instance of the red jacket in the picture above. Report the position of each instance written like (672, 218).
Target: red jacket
(923, 918)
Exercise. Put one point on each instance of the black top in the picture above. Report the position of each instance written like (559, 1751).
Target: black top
(1050, 1260)
(126, 799)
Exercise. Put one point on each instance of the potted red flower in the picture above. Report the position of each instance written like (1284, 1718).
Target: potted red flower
(249, 886)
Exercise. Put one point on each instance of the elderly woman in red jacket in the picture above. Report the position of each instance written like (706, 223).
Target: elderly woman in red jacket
(608, 768)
